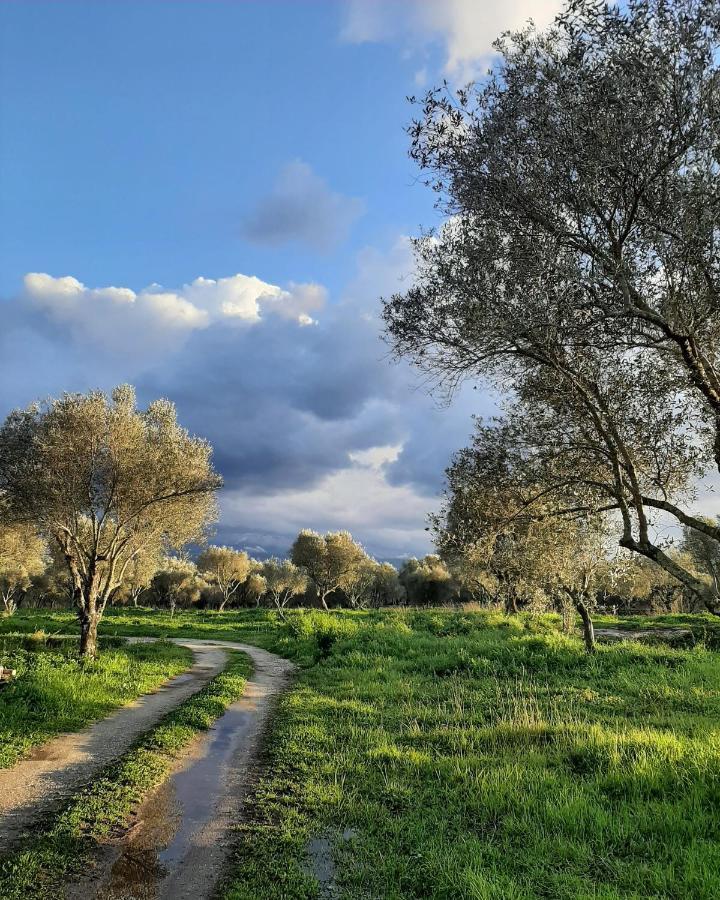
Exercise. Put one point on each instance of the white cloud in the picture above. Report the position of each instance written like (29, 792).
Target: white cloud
(376, 457)
(118, 319)
(302, 207)
(466, 28)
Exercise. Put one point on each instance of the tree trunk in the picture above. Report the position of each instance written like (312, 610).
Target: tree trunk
(88, 635)
(9, 603)
(323, 601)
(588, 629)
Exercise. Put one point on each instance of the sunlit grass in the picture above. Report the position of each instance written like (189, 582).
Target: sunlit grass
(478, 757)
(55, 691)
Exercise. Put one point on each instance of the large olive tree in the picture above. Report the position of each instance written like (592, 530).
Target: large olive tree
(104, 481)
(331, 561)
(578, 268)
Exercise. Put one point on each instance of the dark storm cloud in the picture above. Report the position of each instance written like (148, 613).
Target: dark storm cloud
(283, 405)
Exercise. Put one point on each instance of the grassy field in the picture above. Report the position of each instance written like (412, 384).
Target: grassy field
(461, 755)
(55, 691)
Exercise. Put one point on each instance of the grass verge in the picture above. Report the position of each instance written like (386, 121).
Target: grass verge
(55, 691)
(64, 846)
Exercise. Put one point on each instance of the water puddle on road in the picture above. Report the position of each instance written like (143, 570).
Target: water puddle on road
(173, 822)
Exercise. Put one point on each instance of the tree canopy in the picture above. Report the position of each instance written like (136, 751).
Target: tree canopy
(331, 561)
(105, 482)
(577, 268)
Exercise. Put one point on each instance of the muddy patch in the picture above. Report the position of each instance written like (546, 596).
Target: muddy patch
(321, 865)
(676, 637)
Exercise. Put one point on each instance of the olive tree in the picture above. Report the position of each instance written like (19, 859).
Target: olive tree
(226, 568)
(577, 268)
(283, 581)
(494, 521)
(255, 586)
(427, 581)
(331, 561)
(104, 481)
(385, 589)
(177, 583)
(23, 556)
(374, 584)
(139, 575)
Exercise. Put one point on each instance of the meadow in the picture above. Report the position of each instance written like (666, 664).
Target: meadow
(448, 754)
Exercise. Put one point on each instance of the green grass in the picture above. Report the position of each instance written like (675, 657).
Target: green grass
(476, 756)
(55, 691)
(62, 848)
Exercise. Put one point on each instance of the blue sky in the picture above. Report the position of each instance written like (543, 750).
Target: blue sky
(207, 199)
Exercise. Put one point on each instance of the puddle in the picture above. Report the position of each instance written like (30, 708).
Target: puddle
(171, 820)
(198, 787)
(667, 635)
(321, 861)
(136, 873)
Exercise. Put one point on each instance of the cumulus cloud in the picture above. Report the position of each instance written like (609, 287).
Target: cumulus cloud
(301, 207)
(311, 426)
(465, 28)
(156, 320)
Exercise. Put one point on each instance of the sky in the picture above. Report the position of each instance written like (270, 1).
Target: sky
(208, 200)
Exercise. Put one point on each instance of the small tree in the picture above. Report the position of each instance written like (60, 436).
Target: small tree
(331, 561)
(177, 583)
(139, 575)
(427, 581)
(255, 587)
(494, 515)
(225, 567)
(104, 481)
(385, 589)
(358, 588)
(283, 581)
(23, 555)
